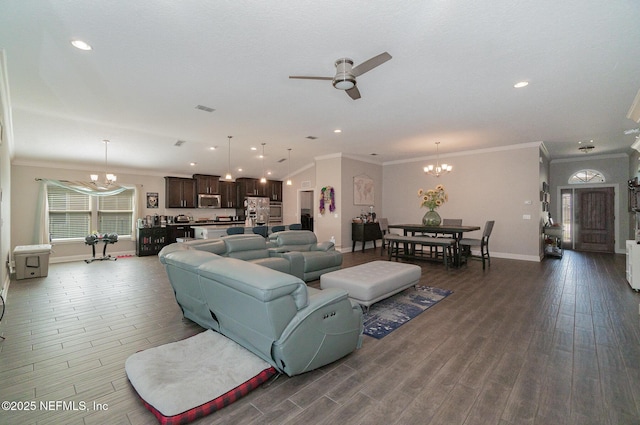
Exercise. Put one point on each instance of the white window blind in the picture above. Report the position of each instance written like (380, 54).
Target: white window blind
(76, 215)
(115, 213)
(69, 213)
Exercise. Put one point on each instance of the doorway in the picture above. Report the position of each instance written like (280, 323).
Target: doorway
(588, 218)
(305, 208)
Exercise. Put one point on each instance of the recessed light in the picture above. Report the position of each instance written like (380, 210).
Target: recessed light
(253, 148)
(337, 130)
(193, 164)
(213, 148)
(79, 44)
(521, 84)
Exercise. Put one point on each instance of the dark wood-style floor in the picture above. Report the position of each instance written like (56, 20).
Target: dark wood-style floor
(556, 342)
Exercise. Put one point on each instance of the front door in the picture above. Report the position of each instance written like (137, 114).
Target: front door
(594, 219)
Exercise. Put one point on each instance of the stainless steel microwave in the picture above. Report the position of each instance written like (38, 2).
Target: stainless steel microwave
(208, 201)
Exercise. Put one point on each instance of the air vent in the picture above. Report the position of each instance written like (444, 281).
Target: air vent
(205, 108)
(179, 143)
(311, 137)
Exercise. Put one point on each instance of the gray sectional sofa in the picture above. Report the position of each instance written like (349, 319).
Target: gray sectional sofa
(272, 314)
(317, 258)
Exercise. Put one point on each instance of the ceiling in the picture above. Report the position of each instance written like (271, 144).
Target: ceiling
(450, 80)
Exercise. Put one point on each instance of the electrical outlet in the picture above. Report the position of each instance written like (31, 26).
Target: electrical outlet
(526, 217)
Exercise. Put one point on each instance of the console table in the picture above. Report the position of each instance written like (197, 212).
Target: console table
(363, 232)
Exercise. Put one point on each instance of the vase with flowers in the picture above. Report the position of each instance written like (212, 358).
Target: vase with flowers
(432, 199)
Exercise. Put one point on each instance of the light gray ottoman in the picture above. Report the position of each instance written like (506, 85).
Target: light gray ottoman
(371, 282)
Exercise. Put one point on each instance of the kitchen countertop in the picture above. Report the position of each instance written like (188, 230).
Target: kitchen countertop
(207, 223)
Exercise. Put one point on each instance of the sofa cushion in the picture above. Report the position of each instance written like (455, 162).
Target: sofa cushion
(318, 260)
(296, 240)
(246, 248)
(274, 263)
(261, 283)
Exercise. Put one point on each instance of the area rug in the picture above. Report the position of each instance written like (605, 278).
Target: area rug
(185, 380)
(388, 315)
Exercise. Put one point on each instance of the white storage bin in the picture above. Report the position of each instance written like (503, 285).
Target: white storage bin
(31, 260)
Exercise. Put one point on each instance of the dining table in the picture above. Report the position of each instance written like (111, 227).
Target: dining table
(455, 231)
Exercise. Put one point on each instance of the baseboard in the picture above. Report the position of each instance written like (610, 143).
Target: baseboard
(72, 258)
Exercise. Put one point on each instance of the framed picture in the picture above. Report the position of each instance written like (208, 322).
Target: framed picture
(363, 190)
(152, 199)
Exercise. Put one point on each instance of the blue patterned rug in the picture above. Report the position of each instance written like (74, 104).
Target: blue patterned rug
(389, 314)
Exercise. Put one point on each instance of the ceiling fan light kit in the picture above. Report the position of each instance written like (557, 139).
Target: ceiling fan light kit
(344, 79)
(346, 73)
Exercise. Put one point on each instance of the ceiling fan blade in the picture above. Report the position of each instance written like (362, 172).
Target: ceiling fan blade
(354, 93)
(368, 65)
(302, 77)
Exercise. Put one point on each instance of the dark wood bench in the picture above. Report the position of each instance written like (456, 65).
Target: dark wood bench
(408, 251)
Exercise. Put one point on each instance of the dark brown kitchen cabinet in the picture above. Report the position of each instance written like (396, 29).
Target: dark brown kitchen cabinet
(179, 231)
(275, 190)
(206, 184)
(228, 195)
(251, 187)
(180, 192)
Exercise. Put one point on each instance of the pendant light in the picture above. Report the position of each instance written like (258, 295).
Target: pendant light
(263, 179)
(228, 176)
(289, 183)
(438, 168)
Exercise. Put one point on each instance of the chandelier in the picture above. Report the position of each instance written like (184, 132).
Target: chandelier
(109, 178)
(289, 183)
(438, 168)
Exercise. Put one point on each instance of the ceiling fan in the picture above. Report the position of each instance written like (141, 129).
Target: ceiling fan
(346, 73)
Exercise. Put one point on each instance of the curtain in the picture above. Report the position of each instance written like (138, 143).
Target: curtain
(42, 234)
(86, 187)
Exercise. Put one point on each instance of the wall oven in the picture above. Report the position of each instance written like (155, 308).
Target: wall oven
(275, 212)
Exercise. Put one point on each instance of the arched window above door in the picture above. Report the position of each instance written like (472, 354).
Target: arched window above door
(586, 176)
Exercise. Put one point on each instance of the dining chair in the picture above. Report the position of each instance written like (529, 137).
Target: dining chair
(384, 228)
(445, 222)
(467, 243)
(237, 230)
(277, 228)
(295, 226)
(261, 230)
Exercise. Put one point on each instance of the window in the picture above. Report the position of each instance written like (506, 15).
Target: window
(74, 215)
(567, 214)
(69, 213)
(586, 176)
(115, 213)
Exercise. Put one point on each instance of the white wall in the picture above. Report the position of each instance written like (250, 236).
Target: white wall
(5, 177)
(329, 173)
(491, 184)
